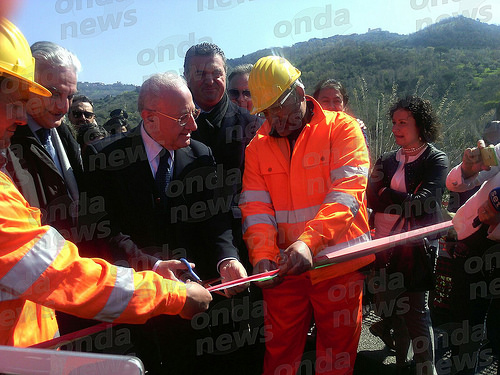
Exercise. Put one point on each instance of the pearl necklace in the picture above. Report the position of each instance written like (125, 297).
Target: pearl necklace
(412, 150)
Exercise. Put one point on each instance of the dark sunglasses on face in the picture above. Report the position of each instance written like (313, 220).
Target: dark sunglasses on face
(79, 114)
(234, 94)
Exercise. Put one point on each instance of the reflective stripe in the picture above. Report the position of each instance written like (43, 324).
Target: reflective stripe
(343, 198)
(120, 296)
(365, 237)
(31, 266)
(255, 196)
(259, 219)
(348, 171)
(305, 214)
(297, 216)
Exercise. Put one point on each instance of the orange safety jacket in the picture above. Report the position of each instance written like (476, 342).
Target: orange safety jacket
(316, 196)
(40, 271)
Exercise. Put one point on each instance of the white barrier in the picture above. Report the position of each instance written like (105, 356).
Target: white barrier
(25, 361)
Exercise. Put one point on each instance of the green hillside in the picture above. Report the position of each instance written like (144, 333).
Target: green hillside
(454, 63)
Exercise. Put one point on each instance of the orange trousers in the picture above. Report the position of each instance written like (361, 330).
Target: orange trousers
(336, 305)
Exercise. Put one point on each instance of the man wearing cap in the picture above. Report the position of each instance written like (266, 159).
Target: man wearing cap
(40, 270)
(304, 196)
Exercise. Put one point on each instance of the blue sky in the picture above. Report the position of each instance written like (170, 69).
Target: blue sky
(128, 40)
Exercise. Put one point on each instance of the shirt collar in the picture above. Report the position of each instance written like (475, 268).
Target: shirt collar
(33, 125)
(152, 147)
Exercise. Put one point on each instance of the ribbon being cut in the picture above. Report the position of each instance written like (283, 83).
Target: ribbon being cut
(325, 258)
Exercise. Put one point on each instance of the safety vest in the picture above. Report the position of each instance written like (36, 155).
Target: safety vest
(316, 195)
(40, 271)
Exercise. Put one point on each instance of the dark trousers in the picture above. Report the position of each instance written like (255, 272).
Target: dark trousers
(471, 299)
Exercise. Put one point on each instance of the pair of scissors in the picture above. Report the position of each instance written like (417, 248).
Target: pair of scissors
(190, 270)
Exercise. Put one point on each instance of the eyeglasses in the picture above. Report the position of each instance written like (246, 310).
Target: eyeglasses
(234, 94)
(272, 111)
(87, 115)
(183, 120)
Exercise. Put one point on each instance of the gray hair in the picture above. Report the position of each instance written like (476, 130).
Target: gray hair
(55, 55)
(240, 69)
(153, 88)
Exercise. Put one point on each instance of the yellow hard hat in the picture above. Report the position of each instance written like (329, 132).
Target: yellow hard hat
(16, 61)
(270, 77)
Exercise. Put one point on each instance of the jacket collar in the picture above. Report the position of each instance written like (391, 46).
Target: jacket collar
(213, 118)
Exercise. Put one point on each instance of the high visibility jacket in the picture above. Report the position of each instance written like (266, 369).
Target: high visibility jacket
(39, 267)
(316, 195)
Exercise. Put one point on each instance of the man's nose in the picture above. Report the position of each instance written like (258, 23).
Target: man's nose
(191, 124)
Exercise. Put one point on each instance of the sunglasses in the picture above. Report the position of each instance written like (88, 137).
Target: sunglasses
(87, 115)
(234, 94)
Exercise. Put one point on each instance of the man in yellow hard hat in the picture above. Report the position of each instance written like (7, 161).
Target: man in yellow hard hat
(40, 270)
(304, 195)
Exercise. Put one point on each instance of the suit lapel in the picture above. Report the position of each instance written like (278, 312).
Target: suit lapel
(182, 158)
(140, 170)
(28, 140)
(71, 148)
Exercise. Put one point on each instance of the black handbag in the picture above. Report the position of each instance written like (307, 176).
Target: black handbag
(415, 261)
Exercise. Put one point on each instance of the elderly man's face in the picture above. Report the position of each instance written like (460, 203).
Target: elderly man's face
(175, 102)
(286, 115)
(61, 81)
(207, 80)
(12, 114)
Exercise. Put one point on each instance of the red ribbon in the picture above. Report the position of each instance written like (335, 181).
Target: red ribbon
(337, 256)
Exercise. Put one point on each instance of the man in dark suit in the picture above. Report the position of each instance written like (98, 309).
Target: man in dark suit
(153, 218)
(222, 125)
(227, 129)
(46, 148)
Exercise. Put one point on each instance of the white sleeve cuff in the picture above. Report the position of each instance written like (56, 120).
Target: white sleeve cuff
(156, 265)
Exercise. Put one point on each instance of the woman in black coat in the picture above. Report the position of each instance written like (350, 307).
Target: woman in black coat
(405, 190)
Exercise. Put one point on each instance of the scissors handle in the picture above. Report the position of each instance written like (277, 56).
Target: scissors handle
(190, 270)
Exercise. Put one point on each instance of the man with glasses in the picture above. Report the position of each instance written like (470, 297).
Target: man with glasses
(82, 117)
(46, 147)
(158, 186)
(81, 111)
(40, 269)
(304, 195)
(237, 86)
